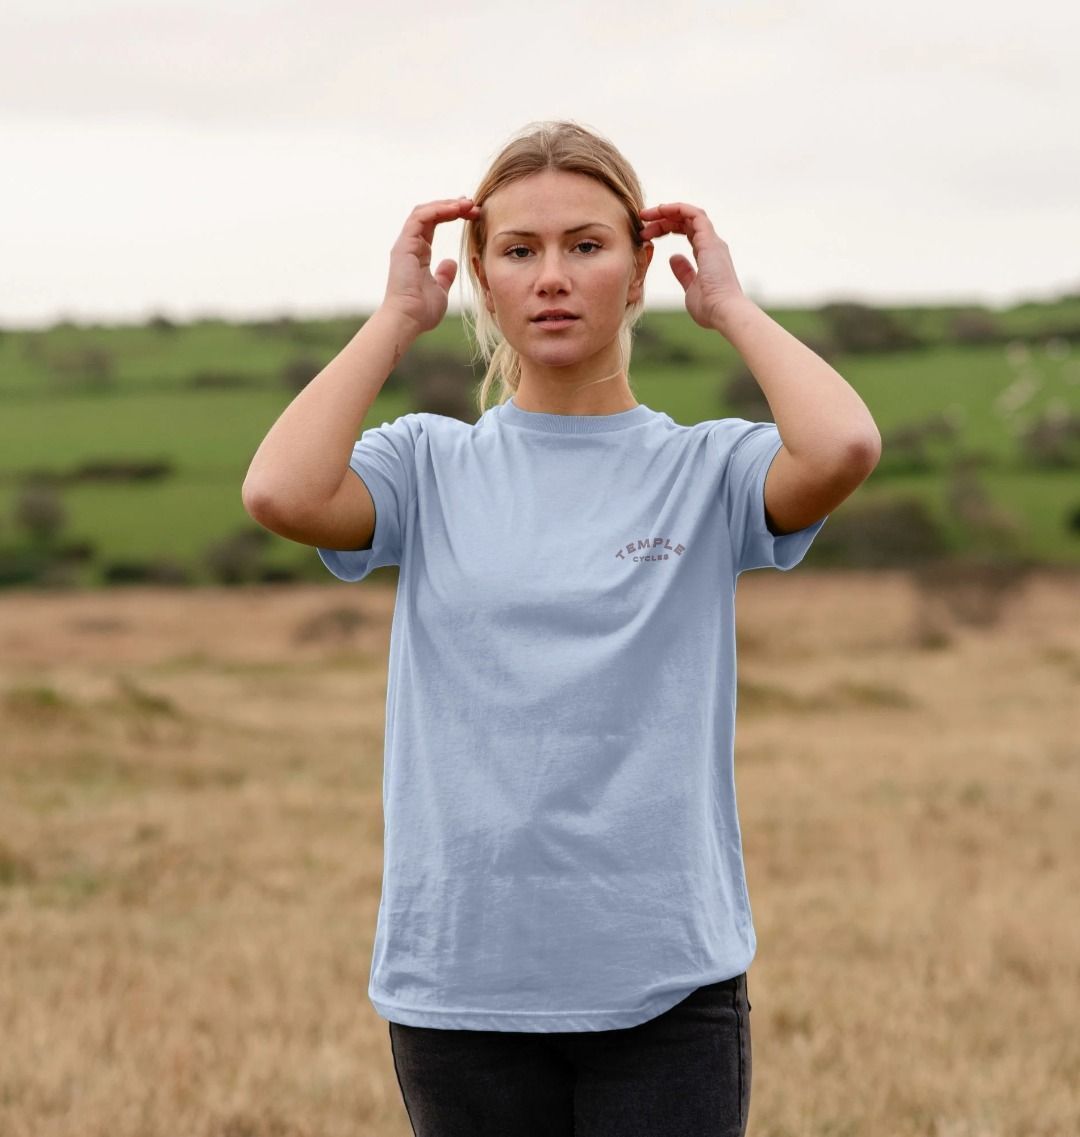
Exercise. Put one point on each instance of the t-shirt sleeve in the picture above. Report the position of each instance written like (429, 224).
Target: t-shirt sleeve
(750, 448)
(385, 458)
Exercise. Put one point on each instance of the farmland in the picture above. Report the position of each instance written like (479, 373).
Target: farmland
(190, 857)
(981, 420)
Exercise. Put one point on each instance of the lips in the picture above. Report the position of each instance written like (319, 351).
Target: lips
(553, 315)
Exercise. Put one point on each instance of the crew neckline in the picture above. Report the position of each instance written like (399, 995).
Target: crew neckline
(510, 412)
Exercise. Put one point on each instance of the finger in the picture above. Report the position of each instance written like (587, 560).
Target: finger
(663, 227)
(414, 246)
(684, 271)
(423, 219)
(445, 273)
(678, 217)
(660, 228)
(671, 209)
(671, 219)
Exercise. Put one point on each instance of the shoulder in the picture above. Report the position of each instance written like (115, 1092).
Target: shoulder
(437, 423)
(416, 424)
(722, 437)
(726, 436)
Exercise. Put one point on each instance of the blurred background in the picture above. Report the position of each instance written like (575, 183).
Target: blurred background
(200, 203)
(198, 207)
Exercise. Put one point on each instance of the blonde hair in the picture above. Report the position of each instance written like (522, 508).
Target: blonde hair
(537, 147)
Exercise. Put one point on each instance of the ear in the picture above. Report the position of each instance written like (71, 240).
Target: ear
(478, 268)
(642, 259)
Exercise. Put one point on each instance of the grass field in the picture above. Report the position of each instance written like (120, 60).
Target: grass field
(190, 860)
(55, 415)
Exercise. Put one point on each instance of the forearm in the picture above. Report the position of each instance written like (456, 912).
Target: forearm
(303, 458)
(821, 418)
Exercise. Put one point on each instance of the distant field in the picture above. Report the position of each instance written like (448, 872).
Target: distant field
(190, 860)
(144, 406)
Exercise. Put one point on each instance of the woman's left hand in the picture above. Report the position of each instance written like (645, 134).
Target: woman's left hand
(713, 287)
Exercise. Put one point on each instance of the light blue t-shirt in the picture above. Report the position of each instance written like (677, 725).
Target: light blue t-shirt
(562, 849)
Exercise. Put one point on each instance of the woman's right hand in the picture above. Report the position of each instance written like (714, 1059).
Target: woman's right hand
(412, 290)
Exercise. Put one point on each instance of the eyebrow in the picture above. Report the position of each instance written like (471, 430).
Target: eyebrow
(576, 229)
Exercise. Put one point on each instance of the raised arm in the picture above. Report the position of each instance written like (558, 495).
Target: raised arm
(298, 484)
(830, 443)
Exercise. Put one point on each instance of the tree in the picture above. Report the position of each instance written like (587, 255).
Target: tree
(40, 510)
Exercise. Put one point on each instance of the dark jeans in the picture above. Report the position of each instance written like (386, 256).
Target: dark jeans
(685, 1073)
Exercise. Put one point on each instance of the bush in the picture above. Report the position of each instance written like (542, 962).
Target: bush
(745, 398)
(891, 533)
(300, 370)
(907, 448)
(75, 552)
(448, 391)
(278, 574)
(1052, 440)
(298, 331)
(237, 559)
(985, 524)
(860, 328)
(973, 326)
(123, 470)
(161, 570)
(650, 347)
(22, 566)
(222, 380)
(88, 366)
(40, 510)
(125, 572)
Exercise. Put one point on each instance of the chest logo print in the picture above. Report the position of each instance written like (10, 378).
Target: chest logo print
(649, 549)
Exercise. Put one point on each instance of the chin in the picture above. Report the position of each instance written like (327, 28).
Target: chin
(556, 356)
(559, 354)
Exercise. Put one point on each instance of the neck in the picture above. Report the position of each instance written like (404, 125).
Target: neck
(594, 386)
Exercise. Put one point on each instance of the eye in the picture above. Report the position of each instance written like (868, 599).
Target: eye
(514, 250)
(594, 245)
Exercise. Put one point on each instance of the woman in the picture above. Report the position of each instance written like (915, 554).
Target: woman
(564, 930)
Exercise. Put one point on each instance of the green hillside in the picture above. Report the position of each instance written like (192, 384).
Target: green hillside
(979, 409)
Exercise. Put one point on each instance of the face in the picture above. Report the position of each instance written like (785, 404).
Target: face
(558, 243)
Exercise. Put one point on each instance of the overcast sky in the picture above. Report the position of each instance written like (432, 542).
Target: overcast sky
(248, 159)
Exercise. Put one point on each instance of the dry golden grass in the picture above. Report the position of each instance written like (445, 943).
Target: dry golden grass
(190, 858)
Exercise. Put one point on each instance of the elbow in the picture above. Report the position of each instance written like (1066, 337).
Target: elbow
(852, 462)
(255, 501)
(266, 511)
(864, 452)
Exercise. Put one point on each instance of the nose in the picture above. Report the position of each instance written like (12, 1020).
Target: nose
(552, 277)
